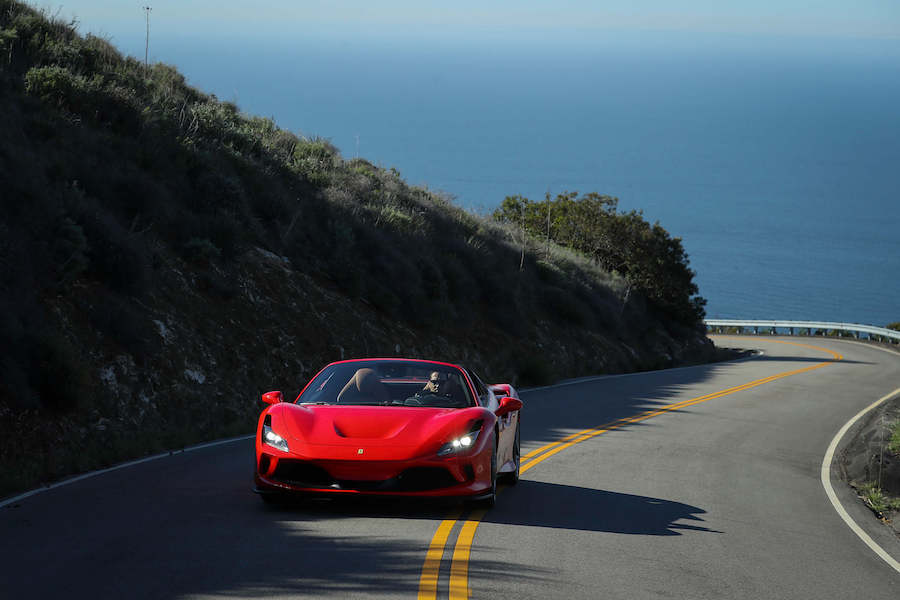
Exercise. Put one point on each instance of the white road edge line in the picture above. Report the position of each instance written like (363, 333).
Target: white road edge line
(131, 463)
(825, 475)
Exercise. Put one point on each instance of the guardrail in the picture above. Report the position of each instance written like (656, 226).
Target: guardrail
(811, 328)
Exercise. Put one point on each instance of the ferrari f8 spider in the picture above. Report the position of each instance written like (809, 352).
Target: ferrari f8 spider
(390, 426)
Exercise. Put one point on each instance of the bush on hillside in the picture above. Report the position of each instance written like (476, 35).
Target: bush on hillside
(650, 260)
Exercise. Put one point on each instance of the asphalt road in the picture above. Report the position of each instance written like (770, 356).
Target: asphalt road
(717, 497)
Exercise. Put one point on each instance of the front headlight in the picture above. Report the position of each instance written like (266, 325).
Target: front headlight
(461, 443)
(271, 438)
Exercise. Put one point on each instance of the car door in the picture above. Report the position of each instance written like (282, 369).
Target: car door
(506, 425)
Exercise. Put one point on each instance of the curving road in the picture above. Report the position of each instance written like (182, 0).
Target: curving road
(700, 482)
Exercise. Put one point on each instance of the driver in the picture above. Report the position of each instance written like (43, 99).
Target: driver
(442, 390)
(435, 381)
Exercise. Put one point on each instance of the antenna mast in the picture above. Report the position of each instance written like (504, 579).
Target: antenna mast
(147, 10)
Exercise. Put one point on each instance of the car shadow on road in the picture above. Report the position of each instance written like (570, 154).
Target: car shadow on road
(558, 506)
(341, 547)
(302, 508)
(551, 413)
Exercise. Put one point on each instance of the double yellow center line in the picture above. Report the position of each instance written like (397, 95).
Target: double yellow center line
(459, 565)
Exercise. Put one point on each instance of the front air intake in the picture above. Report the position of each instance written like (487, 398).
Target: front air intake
(264, 461)
(302, 473)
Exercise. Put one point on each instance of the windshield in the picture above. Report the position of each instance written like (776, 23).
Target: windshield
(389, 383)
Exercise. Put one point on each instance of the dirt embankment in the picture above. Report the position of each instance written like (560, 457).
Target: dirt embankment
(866, 459)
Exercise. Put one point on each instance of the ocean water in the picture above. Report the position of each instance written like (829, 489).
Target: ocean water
(776, 161)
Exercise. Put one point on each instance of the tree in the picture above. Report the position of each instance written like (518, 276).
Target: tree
(646, 255)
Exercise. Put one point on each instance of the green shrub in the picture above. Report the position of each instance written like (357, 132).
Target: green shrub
(433, 283)
(216, 191)
(126, 325)
(894, 443)
(877, 500)
(168, 87)
(315, 158)
(567, 305)
(62, 52)
(116, 256)
(89, 98)
(201, 248)
(56, 371)
(282, 144)
(533, 370)
(8, 39)
(98, 54)
(58, 85)
(70, 249)
(462, 289)
(225, 233)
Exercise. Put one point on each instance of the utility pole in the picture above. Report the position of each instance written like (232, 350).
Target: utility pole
(522, 260)
(147, 10)
(547, 199)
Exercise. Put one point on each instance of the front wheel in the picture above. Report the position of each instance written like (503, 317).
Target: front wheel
(491, 499)
(512, 478)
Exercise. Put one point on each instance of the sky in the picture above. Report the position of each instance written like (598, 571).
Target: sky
(838, 18)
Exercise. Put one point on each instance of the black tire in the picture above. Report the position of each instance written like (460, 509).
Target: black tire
(269, 497)
(513, 477)
(491, 499)
(273, 498)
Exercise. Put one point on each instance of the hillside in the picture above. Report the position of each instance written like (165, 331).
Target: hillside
(165, 258)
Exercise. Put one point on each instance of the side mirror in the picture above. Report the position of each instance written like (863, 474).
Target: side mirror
(508, 405)
(273, 397)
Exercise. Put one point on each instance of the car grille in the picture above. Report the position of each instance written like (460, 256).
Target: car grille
(418, 479)
(302, 473)
(415, 479)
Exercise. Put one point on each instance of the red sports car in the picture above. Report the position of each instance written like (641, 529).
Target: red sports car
(390, 426)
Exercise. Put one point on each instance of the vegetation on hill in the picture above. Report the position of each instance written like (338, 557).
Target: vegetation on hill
(160, 250)
(651, 261)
